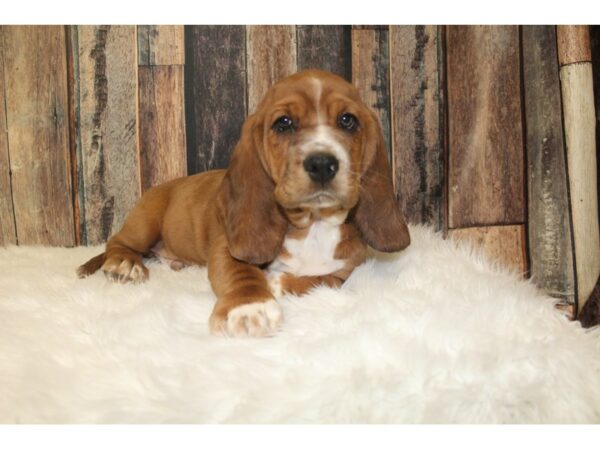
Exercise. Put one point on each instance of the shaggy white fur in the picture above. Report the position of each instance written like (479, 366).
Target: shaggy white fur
(433, 334)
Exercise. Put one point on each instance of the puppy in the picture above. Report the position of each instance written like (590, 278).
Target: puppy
(309, 186)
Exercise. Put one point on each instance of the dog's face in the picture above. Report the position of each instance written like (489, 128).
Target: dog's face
(314, 130)
(312, 143)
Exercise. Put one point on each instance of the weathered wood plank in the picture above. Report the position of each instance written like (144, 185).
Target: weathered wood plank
(325, 47)
(580, 122)
(370, 72)
(162, 124)
(37, 122)
(504, 244)
(486, 164)
(271, 56)
(573, 44)
(215, 94)
(595, 44)
(160, 45)
(106, 108)
(417, 128)
(549, 229)
(8, 233)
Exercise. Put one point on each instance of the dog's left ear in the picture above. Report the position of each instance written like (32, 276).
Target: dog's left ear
(254, 225)
(377, 214)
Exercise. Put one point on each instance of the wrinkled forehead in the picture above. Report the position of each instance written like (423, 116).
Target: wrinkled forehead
(312, 96)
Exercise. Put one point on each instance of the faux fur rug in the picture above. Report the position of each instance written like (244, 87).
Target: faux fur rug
(433, 334)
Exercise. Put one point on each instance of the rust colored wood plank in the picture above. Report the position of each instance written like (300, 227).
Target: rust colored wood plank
(160, 45)
(370, 72)
(162, 124)
(8, 232)
(549, 229)
(573, 44)
(37, 121)
(580, 122)
(486, 156)
(215, 94)
(417, 128)
(325, 47)
(504, 244)
(106, 109)
(271, 56)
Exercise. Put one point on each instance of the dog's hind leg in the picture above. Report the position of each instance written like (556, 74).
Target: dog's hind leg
(91, 266)
(141, 231)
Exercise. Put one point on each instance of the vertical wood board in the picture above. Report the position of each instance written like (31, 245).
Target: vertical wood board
(162, 124)
(417, 133)
(573, 44)
(504, 244)
(370, 73)
(8, 233)
(549, 227)
(215, 94)
(486, 155)
(325, 47)
(35, 85)
(271, 56)
(579, 119)
(160, 45)
(107, 115)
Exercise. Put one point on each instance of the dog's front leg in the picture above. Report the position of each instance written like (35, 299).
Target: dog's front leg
(285, 283)
(245, 305)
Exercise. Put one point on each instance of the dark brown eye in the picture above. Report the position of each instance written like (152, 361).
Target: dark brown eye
(348, 122)
(283, 124)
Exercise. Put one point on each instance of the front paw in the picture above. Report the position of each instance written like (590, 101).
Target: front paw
(251, 319)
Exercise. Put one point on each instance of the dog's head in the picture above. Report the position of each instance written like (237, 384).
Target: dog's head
(311, 144)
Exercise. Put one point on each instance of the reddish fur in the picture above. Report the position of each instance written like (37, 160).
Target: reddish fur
(237, 219)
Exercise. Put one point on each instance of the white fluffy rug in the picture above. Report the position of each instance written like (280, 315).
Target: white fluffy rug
(433, 334)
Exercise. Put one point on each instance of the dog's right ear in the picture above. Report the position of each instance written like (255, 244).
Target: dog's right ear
(254, 225)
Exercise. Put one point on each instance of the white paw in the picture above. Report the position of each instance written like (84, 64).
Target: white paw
(254, 319)
(124, 270)
(274, 280)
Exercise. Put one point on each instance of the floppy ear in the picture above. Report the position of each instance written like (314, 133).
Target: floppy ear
(377, 214)
(254, 225)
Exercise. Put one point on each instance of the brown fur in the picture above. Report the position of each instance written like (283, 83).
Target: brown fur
(236, 220)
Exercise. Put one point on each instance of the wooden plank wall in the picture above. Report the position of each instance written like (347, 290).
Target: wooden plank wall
(472, 117)
(549, 224)
(35, 69)
(417, 113)
(486, 186)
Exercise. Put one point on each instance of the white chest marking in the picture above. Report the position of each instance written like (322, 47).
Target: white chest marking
(313, 255)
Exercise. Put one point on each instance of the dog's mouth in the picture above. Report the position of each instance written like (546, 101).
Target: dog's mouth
(321, 199)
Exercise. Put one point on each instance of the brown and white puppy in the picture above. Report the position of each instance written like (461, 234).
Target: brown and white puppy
(308, 187)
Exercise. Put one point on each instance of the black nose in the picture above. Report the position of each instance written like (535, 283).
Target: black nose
(321, 167)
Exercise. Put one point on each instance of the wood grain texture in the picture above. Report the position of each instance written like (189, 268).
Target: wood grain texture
(549, 228)
(271, 56)
(325, 47)
(215, 94)
(37, 120)
(579, 120)
(417, 129)
(370, 72)
(595, 44)
(106, 109)
(8, 232)
(160, 45)
(504, 244)
(486, 156)
(573, 44)
(162, 124)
